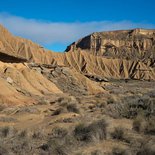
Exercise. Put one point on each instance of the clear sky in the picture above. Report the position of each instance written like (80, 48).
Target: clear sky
(56, 23)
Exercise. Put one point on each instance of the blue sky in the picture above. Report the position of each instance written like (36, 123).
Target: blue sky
(56, 23)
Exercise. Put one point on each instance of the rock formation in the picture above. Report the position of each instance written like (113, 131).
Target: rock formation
(129, 44)
(28, 71)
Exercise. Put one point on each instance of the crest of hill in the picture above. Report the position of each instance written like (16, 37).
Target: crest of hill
(17, 49)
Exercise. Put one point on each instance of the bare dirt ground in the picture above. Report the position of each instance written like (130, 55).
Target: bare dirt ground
(121, 121)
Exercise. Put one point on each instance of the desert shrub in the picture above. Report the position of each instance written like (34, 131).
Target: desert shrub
(100, 128)
(131, 107)
(72, 108)
(59, 132)
(118, 133)
(139, 123)
(5, 131)
(101, 105)
(66, 108)
(96, 152)
(82, 132)
(145, 125)
(120, 151)
(58, 149)
(147, 148)
(55, 146)
(44, 147)
(22, 134)
(111, 100)
(58, 111)
(3, 151)
(59, 142)
(91, 107)
(96, 130)
(60, 99)
(37, 134)
(22, 146)
(150, 126)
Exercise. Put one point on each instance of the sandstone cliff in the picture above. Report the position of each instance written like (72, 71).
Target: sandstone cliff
(128, 44)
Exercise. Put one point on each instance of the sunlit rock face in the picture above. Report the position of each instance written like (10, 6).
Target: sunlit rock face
(128, 44)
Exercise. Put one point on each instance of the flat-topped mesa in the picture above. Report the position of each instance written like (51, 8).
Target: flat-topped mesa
(128, 44)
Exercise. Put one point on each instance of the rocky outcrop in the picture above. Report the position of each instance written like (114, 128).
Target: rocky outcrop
(127, 44)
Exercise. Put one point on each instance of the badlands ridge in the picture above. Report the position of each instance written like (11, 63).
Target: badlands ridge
(27, 70)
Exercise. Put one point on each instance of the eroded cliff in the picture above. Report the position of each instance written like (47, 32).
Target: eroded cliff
(127, 44)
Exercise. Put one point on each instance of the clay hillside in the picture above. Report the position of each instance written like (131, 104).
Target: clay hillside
(118, 54)
(96, 98)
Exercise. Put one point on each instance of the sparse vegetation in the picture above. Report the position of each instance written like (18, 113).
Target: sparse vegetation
(120, 151)
(22, 134)
(96, 152)
(147, 148)
(38, 134)
(59, 132)
(66, 126)
(145, 125)
(94, 131)
(5, 131)
(118, 133)
(150, 126)
(137, 125)
(72, 108)
(132, 107)
(58, 111)
(3, 151)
